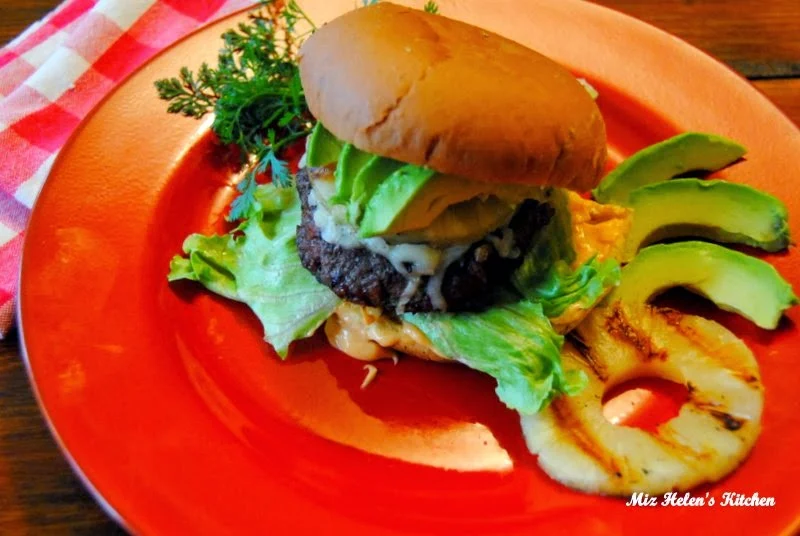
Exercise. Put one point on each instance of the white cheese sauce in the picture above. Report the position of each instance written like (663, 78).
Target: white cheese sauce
(504, 244)
(412, 285)
(434, 286)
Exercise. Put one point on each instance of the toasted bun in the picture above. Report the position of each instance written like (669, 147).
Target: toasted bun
(428, 90)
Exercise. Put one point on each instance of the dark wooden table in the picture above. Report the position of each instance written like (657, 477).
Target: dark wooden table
(38, 492)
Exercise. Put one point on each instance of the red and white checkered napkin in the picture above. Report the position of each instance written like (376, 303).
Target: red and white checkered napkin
(52, 75)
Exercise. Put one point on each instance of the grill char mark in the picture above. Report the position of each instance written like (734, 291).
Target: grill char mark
(619, 327)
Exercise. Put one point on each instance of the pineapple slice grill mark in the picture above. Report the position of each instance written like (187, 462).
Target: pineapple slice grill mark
(712, 434)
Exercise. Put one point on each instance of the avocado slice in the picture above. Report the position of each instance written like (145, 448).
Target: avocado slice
(351, 162)
(732, 280)
(358, 173)
(391, 197)
(441, 208)
(366, 182)
(664, 160)
(323, 147)
(463, 223)
(714, 209)
(430, 207)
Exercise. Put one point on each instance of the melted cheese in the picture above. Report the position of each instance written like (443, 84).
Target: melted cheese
(344, 330)
(367, 334)
(504, 244)
(597, 229)
(411, 288)
(434, 286)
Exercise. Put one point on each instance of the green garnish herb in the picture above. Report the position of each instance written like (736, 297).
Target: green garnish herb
(254, 92)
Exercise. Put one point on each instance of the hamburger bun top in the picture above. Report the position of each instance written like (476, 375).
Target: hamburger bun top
(428, 90)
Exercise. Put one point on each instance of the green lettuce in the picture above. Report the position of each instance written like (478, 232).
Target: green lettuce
(560, 286)
(258, 264)
(512, 342)
(545, 275)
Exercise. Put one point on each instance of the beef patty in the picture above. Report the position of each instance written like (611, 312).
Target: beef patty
(367, 278)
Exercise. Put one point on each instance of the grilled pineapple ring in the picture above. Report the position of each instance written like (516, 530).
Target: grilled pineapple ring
(709, 438)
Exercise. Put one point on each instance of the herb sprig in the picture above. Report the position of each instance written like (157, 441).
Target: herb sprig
(254, 92)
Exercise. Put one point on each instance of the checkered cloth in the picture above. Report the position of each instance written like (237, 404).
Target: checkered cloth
(52, 75)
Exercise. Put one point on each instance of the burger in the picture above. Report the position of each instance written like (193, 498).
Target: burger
(429, 171)
(435, 214)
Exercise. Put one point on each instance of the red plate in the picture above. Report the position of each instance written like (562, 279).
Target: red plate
(185, 422)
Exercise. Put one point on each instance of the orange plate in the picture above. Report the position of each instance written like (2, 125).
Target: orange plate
(180, 417)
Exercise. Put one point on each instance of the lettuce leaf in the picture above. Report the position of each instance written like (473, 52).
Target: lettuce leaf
(560, 286)
(512, 342)
(212, 262)
(258, 264)
(545, 275)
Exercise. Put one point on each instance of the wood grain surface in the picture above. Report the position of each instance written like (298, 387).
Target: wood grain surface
(38, 492)
(15, 16)
(757, 39)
